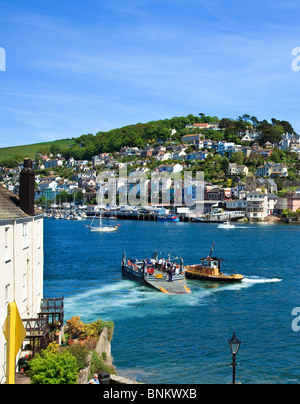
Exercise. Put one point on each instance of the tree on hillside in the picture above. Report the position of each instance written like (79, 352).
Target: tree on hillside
(238, 158)
(270, 133)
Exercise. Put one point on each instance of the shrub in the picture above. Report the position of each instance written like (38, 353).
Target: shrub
(98, 365)
(53, 367)
(80, 352)
(75, 326)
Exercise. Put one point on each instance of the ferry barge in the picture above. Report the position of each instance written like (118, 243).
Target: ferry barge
(210, 270)
(162, 275)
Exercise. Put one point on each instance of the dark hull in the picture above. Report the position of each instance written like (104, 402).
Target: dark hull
(210, 278)
(158, 281)
(126, 272)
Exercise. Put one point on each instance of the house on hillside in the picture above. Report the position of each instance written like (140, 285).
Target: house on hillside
(235, 169)
(271, 169)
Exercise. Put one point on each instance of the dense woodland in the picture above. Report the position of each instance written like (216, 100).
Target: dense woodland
(141, 135)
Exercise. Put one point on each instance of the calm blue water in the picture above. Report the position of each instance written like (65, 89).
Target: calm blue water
(183, 339)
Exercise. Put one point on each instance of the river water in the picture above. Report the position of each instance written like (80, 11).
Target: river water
(183, 339)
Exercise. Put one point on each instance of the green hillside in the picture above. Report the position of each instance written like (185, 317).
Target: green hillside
(30, 151)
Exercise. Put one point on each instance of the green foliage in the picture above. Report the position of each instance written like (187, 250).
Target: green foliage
(53, 367)
(93, 330)
(80, 353)
(287, 213)
(138, 135)
(98, 365)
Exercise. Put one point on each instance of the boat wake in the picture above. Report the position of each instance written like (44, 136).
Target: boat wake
(113, 301)
(126, 299)
(257, 279)
(202, 295)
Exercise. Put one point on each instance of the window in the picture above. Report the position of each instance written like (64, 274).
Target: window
(7, 245)
(25, 236)
(6, 296)
(24, 287)
(38, 235)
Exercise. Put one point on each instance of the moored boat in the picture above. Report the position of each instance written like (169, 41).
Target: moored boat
(210, 270)
(167, 218)
(100, 228)
(165, 276)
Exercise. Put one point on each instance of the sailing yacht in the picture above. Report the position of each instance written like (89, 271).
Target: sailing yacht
(94, 227)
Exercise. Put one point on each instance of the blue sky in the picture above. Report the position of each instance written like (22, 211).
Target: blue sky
(75, 67)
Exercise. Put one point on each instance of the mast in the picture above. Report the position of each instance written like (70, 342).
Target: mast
(212, 248)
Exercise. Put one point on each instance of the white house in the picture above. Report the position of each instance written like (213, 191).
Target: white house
(271, 169)
(164, 157)
(235, 169)
(21, 257)
(257, 206)
(179, 155)
(223, 147)
(250, 136)
(191, 138)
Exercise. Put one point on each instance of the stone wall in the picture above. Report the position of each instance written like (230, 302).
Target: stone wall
(103, 345)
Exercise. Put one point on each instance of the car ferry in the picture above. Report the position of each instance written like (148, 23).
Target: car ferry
(163, 275)
(210, 270)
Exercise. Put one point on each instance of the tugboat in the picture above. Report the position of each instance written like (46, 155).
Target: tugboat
(163, 275)
(210, 270)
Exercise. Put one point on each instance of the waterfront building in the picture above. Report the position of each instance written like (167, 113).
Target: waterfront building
(218, 194)
(236, 205)
(293, 202)
(21, 254)
(272, 204)
(257, 206)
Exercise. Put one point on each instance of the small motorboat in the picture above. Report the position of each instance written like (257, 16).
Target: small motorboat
(226, 225)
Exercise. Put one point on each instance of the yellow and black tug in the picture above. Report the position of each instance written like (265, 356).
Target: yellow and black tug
(210, 270)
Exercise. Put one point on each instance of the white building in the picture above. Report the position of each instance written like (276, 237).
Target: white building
(235, 169)
(224, 147)
(271, 169)
(257, 206)
(192, 138)
(250, 136)
(21, 260)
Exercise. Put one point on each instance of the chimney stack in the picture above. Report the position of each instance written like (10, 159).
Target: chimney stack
(27, 188)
